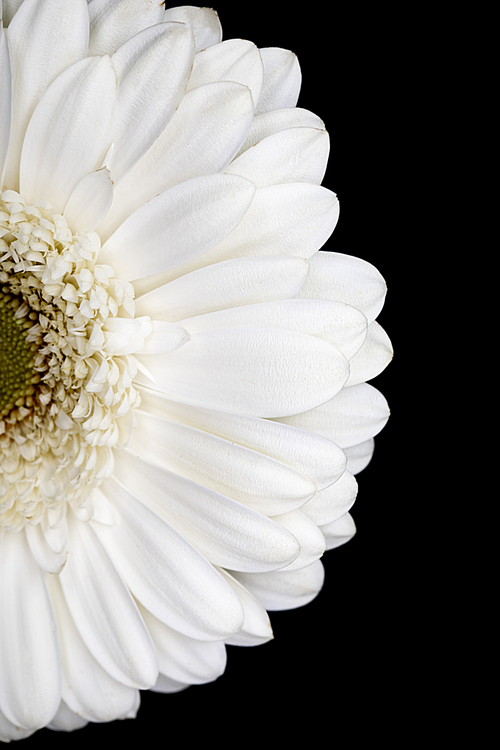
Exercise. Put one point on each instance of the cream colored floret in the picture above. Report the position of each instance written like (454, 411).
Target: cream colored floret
(76, 401)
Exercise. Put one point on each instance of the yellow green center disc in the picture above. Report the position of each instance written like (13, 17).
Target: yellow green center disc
(16, 354)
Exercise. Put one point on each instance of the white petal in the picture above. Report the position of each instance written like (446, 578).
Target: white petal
(165, 684)
(177, 226)
(66, 720)
(143, 87)
(45, 39)
(166, 574)
(125, 335)
(201, 139)
(88, 690)
(373, 357)
(90, 201)
(329, 504)
(293, 155)
(104, 612)
(252, 478)
(30, 681)
(283, 589)
(315, 457)
(339, 532)
(353, 416)
(165, 337)
(8, 730)
(346, 279)
(67, 131)
(291, 219)
(55, 529)
(104, 511)
(235, 60)
(226, 532)
(232, 283)
(5, 100)
(311, 540)
(282, 80)
(185, 659)
(203, 22)
(340, 324)
(256, 626)
(46, 558)
(359, 456)
(257, 372)
(270, 123)
(113, 22)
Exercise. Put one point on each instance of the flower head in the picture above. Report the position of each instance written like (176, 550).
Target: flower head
(183, 371)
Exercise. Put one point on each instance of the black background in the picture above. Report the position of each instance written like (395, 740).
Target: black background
(337, 667)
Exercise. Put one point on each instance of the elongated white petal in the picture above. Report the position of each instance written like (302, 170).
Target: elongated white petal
(182, 658)
(232, 283)
(291, 219)
(269, 123)
(30, 682)
(339, 532)
(332, 502)
(46, 558)
(282, 79)
(293, 155)
(235, 60)
(356, 414)
(9, 731)
(373, 357)
(90, 201)
(5, 100)
(201, 139)
(66, 720)
(258, 372)
(340, 324)
(203, 22)
(283, 589)
(346, 279)
(164, 337)
(87, 689)
(170, 578)
(125, 335)
(359, 456)
(165, 684)
(256, 627)
(178, 225)
(113, 22)
(253, 478)
(67, 131)
(314, 456)
(104, 511)
(226, 532)
(140, 66)
(45, 40)
(104, 612)
(55, 529)
(311, 540)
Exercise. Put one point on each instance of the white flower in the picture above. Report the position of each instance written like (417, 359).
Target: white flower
(183, 378)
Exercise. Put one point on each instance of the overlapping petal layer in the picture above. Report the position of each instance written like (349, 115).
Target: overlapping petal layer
(202, 404)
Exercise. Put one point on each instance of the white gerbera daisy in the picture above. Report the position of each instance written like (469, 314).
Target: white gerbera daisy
(183, 371)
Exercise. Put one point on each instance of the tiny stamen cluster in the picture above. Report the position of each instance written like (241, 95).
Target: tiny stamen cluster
(66, 395)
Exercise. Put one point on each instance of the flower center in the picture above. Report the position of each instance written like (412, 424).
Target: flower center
(17, 354)
(66, 386)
